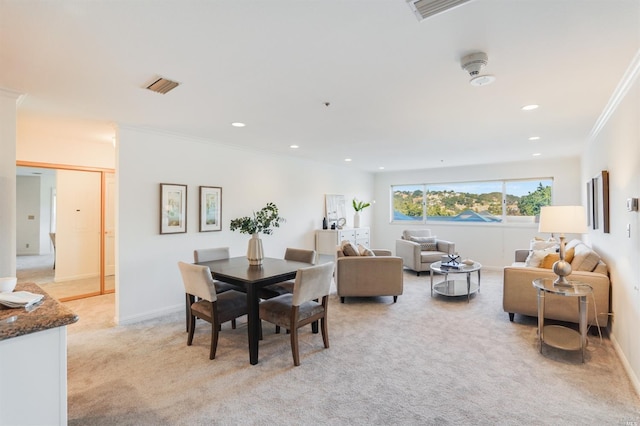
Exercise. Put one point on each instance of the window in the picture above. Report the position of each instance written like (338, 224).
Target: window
(488, 202)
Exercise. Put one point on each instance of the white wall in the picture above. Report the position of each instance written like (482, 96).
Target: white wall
(27, 215)
(147, 261)
(617, 149)
(492, 245)
(8, 116)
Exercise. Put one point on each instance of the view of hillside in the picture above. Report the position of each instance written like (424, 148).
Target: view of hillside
(450, 203)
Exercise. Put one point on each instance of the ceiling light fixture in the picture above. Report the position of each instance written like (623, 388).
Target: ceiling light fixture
(424, 9)
(294, 146)
(347, 159)
(381, 168)
(238, 124)
(530, 107)
(534, 138)
(537, 154)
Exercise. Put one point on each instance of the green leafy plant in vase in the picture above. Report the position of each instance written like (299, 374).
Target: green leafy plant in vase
(264, 221)
(358, 206)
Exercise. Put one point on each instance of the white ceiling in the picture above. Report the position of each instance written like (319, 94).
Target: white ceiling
(398, 96)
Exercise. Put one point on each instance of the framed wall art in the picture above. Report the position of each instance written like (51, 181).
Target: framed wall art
(173, 208)
(210, 208)
(600, 201)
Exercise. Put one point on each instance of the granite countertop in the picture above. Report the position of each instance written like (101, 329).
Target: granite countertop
(49, 314)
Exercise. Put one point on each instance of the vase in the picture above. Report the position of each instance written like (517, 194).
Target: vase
(356, 220)
(255, 255)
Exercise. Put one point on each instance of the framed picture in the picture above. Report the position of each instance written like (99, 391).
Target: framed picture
(173, 208)
(210, 208)
(600, 201)
(590, 203)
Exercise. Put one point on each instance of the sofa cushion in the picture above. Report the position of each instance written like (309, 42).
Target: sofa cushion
(584, 259)
(601, 268)
(431, 256)
(349, 249)
(364, 251)
(426, 243)
(408, 233)
(534, 260)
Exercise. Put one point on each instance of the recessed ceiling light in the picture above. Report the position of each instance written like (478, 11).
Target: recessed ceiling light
(294, 146)
(530, 107)
(238, 124)
(381, 168)
(347, 159)
(537, 154)
(534, 138)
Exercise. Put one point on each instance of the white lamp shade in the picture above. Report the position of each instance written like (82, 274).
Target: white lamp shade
(563, 219)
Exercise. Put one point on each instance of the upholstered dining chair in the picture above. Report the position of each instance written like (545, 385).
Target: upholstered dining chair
(212, 307)
(278, 289)
(207, 255)
(297, 309)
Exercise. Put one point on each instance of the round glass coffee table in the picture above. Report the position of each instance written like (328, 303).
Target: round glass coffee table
(455, 287)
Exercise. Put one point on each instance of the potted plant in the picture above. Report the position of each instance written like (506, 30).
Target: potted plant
(358, 206)
(263, 221)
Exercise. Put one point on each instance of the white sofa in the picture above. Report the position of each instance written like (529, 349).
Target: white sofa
(411, 248)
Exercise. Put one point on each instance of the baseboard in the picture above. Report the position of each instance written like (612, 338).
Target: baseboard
(149, 315)
(625, 363)
(76, 277)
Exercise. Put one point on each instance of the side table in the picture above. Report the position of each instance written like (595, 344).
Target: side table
(559, 336)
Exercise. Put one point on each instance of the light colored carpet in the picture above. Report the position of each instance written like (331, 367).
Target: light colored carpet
(420, 361)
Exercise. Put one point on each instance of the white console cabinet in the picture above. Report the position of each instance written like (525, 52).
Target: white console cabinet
(328, 239)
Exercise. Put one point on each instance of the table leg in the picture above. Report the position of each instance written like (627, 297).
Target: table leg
(468, 286)
(478, 280)
(540, 318)
(583, 324)
(431, 275)
(253, 323)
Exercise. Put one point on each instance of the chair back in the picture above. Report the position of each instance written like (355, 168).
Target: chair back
(300, 255)
(312, 283)
(209, 254)
(198, 281)
(408, 233)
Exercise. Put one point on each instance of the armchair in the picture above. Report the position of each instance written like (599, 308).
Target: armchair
(413, 252)
(366, 276)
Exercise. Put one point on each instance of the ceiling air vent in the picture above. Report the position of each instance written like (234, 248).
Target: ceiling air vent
(162, 85)
(424, 9)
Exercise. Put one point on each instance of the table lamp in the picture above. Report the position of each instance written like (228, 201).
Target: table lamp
(562, 219)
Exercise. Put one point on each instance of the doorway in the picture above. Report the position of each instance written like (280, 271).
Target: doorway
(66, 229)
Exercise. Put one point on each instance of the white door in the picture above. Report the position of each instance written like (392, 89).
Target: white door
(109, 226)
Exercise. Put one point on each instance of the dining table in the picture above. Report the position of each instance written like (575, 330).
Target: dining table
(250, 279)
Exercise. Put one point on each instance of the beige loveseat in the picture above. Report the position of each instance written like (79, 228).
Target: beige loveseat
(375, 273)
(520, 297)
(419, 249)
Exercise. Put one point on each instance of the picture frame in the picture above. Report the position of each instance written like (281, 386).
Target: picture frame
(590, 203)
(600, 202)
(210, 208)
(173, 208)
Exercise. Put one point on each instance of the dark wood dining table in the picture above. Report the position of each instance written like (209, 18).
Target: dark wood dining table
(250, 279)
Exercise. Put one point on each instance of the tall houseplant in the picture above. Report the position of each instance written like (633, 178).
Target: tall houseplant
(358, 206)
(263, 221)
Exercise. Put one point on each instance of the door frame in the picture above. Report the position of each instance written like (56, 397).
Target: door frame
(103, 180)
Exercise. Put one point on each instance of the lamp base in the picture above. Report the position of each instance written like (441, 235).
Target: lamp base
(562, 269)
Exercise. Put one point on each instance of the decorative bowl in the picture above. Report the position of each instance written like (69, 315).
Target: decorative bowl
(7, 284)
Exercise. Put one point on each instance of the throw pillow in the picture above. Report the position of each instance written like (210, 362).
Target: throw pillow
(426, 243)
(364, 251)
(536, 256)
(552, 258)
(349, 249)
(584, 259)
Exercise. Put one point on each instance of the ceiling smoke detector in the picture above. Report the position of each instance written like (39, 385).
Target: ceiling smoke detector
(473, 64)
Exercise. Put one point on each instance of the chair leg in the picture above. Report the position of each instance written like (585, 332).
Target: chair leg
(395, 299)
(325, 331)
(191, 327)
(277, 329)
(214, 341)
(294, 347)
(233, 323)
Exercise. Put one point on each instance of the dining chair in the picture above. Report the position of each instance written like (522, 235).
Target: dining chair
(297, 309)
(212, 307)
(207, 255)
(278, 289)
